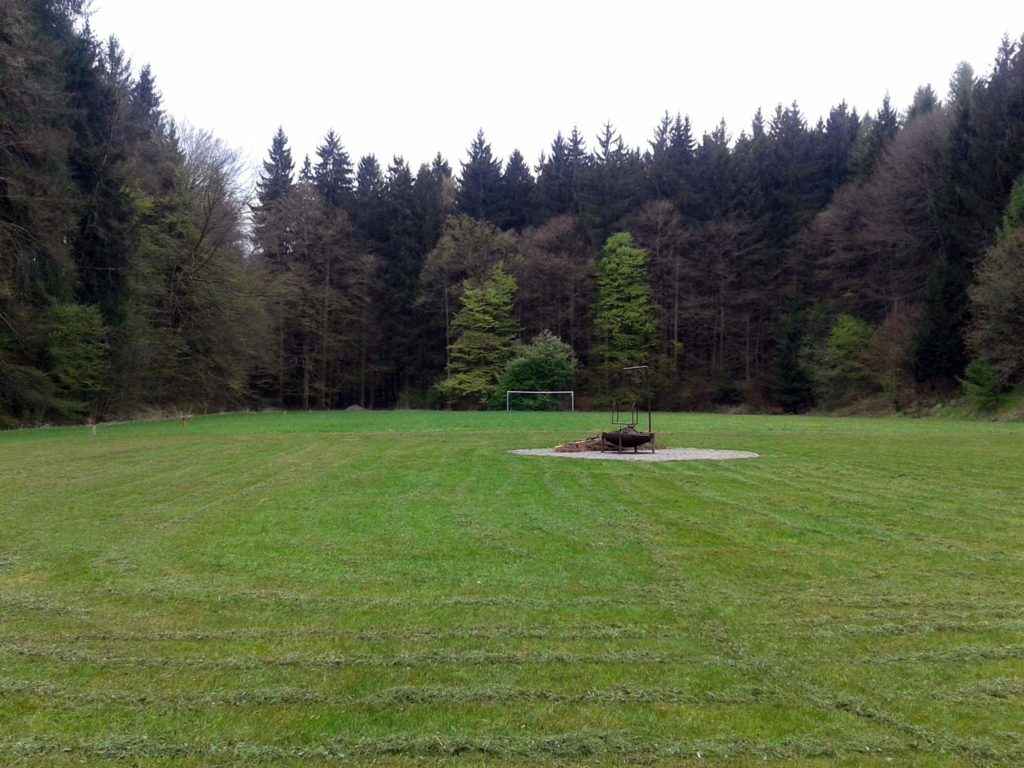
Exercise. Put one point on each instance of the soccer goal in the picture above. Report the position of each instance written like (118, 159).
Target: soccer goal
(509, 394)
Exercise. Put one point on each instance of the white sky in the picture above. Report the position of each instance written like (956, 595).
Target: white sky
(415, 78)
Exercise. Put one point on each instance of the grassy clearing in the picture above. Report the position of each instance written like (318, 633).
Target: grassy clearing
(396, 589)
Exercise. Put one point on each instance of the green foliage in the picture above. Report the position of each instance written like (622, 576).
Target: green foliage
(791, 387)
(982, 385)
(481, 191)
(547, 362)
(843, 376)
(997, 328)
(886, 359)
(624, 329)
(938, 351)
(347, 295)
(79, 355)
(486, 333)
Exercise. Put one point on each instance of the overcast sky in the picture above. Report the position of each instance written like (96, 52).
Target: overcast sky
(415, 78)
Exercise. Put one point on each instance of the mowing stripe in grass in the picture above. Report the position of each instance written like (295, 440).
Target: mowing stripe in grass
(567, 746)
(984, 693)
(818, 628)
(434, 658)
(437, 658)
(59, 696)
(476, 633)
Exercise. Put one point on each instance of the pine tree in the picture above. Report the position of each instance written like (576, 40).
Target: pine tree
(333, 172)
(876, 135)
(518, 192)
(791, 387)
(997, 298)
(276, 179)
(435, 200)
(714, 178)
(402, 261)
(658, 173)
(466, 253)
(624, 329)
(555, 180)
(486, 332)
(611, 182)
(480, 189)
(369, 211)
(924, 102)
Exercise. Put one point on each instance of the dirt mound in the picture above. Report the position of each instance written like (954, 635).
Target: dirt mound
(355, 408)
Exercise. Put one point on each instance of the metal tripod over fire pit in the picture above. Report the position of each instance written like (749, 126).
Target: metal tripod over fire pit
(627, 436)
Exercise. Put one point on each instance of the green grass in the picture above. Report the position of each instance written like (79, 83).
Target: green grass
(396, 589)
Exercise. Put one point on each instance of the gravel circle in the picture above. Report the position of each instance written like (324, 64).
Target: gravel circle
(665, 454)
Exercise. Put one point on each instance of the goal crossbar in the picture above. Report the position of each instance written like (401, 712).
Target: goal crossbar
(570, 392)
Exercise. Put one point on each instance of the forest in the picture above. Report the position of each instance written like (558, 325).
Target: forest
(801, 263)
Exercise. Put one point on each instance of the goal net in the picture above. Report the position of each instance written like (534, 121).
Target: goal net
(540, 399)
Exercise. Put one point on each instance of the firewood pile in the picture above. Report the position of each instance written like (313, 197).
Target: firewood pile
(592, 443)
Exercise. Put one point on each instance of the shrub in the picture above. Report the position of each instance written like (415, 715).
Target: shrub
(982, 385)
(547, 362)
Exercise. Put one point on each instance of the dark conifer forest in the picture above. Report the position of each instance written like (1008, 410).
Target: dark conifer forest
(793, 263)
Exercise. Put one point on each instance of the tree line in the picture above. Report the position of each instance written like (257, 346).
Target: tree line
(793, 265)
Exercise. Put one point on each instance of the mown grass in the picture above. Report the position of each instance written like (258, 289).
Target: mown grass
(397, 589)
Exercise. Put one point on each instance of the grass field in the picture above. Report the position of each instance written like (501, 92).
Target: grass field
(396, 589)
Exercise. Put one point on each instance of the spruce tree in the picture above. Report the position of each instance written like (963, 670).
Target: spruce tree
(276, 179)
(333, 172)
(402, 260)
(518, 193)
(480, 188)
(997, 298)
(369, 211)
(554, 180)
(624, 328)
(924, 102)
(486, 332)
(611, 182)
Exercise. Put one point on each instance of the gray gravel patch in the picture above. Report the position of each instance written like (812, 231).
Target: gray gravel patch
(665, 454)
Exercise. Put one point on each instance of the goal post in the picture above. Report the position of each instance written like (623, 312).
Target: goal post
(570, 392)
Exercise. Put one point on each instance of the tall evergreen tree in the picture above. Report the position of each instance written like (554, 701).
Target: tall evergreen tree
(332, 172)
(480, 188)
(435, 191)
(997, 297)
(624, 328)
(518, 191)
(611, 182)
(924, 102)
(369, 210)
(402, 258)
(277, 177)
(486, 332)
